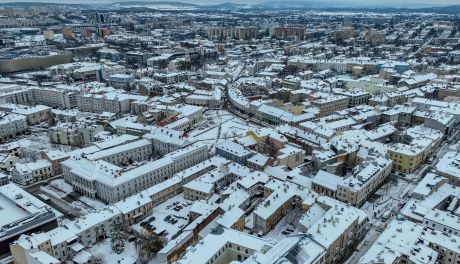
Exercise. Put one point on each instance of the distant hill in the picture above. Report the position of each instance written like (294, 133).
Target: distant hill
(140, 3)
(29, 4)
(335, 6)
(270, 5)
(229, 6)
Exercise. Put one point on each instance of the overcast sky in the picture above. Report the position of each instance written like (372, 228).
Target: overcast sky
(209, 2)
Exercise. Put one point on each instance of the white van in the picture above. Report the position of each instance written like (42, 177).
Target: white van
(386, 216)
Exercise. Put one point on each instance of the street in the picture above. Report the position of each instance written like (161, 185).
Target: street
(56, 202)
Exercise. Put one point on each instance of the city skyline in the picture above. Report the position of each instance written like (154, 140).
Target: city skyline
(345, 3)
(230, 132)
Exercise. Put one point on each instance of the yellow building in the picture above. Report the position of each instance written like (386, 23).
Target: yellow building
(279, 198)
(406, 158)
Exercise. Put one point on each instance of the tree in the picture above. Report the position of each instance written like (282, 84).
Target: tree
(118, 236)
(294, 212)
(148, 244)
(97, 259)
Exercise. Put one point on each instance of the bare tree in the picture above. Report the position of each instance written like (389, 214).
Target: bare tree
(148, 244)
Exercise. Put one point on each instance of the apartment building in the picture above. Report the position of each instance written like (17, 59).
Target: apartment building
(121, 81)
(203, 187)
(108, 102)
(364, 180)
(375, 37)
(224, 245)
(278, 201)
(399, 243)
(61, 96)
(212, 100)
(328, 103)
(434, 195)
(449, 166)
(170, 77)
(140, 205)
(421, 142)
(34, 114)
(344, 33)
(290, 156)
(311, 251)
(407, 242)
(339, 228)
(7, 162)
(233, 32)
(289, 32)
(28, 173)
(55, 157)
(12, 125)
(355, 96)
(74, 134)
(442, 121)
(16, 94)
(233, 151)
(325, 183)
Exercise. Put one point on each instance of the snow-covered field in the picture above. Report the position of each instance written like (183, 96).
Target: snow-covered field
(59, 185)
(103, 251)
(95, 204)
(231, 127)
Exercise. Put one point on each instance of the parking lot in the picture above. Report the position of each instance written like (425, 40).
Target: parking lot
(167, 218)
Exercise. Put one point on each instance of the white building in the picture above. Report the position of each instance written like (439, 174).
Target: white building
(108, 102)
(34, 114)
(121, 81)
(165, 140)
(74, 134)
(12, 125)
(67, 241)
(61, 96)
(290, 156)
(125, 154)
(449, 166)
(364, 180)
(224, 245)
(401, 242)
(27, 173)
(110, 183)
(22, 212)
